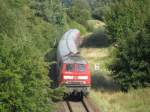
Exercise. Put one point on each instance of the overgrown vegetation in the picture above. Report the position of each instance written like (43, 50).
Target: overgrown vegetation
(80, 11)
(127, 25)
(133, 101)
(25, 37)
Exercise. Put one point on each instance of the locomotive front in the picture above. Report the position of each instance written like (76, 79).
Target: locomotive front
(75, 75)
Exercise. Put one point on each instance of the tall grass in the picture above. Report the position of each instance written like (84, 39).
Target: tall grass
(133, 101)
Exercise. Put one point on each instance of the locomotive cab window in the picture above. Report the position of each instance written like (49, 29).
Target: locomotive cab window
(80, 67)
(69, 67)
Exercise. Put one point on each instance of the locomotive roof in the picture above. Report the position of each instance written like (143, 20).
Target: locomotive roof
(74, 59)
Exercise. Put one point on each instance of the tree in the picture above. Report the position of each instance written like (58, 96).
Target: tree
(24, 82)
(99, 7)
(79, 11)
(50, 10)
(125, 17)
(127, 24)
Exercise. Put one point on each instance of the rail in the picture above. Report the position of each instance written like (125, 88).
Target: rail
(78, 106)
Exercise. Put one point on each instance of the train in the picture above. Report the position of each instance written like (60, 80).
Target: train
(73, 70)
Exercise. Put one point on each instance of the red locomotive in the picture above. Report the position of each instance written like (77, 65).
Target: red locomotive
(73, 70)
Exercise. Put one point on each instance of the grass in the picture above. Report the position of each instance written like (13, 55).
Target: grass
(105, 93)
(97, 56)
(134, 101)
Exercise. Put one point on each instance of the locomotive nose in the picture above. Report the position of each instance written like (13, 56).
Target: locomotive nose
(76, 74)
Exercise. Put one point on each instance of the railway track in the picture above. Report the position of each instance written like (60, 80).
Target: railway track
(77, 106)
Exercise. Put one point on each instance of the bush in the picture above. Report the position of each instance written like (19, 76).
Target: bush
(126, 17)
(79, 11)
(127, 29)
(24, 39)
(131, 66)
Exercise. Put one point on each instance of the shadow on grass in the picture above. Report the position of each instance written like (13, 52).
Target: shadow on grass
(98, 39)
(103, 83)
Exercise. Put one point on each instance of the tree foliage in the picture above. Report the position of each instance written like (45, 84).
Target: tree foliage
(127, 24)
(24, 39)
(79, 11)
(50, 10)
(126, 17)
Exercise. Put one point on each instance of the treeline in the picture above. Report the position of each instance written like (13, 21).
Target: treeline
(27, 31)
(128, 25)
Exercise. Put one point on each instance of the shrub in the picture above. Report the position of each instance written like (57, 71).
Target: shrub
(127, 29)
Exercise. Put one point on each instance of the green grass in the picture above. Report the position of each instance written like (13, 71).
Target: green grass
(99, 56)
(133, 101)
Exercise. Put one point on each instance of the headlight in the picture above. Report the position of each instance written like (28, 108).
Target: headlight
(83, 77)
(68, 77)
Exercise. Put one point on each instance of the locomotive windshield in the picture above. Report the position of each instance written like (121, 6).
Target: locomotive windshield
(80, 67)
(69, 67)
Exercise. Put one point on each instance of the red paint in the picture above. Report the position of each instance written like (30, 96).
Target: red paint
(75, 73)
